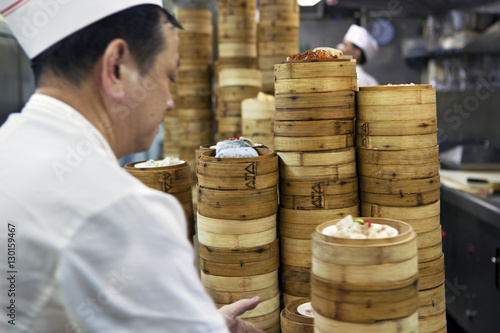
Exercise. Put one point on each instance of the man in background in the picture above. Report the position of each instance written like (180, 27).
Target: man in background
(363, 47)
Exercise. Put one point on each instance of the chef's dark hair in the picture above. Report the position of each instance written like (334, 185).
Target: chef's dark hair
(362, 58)
(74, 57)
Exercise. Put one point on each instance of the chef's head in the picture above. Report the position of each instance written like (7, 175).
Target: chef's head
(359, 43)
(123, 53)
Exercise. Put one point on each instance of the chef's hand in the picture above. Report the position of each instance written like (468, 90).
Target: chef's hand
(232, 311)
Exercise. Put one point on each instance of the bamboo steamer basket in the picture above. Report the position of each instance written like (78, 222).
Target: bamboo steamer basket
(229, 125)
(276, 48)
(199, 53)
(187, 115)
(317, 173)
(171, 137)
(315, 106)
(194, 14)
(238, 50)
(240, 77)
(381, 270)
(175, 180)
(300, 224)
(293, 322)
(408, 324)
(239, 62)
(399, 157)
(237, 204)
(401, 213)
(401, 200)
(319, 188)
(198, 25)
(188, 39)
(258, 127)
(431, 302)
(254, 109)
(237, 93)
(228, 109)
(397, 142)
(270, 33)
(319, 201)
(272, 318)
(238, 173)
(266, 140)
(195, 89)
(228, 297)
(318, 158)
(431, 274)
(433, 324)
(315, 143)
(192, 75)
(399, 186)
(277, 17)
(296, 252)
(295, 282)
(194, 102)
(430, 245)
(287, 298)
(237, 36)
(402, 112)
(396, 127)
(239, 284)
(217, 233)
(309, 71)
(267, 81)
(234, 262)
(313, 128)
(386, 172)
(312, 85)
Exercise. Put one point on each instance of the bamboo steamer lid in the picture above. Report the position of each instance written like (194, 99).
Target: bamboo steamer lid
(402, 157)
(240, 77)
(319, 201)
(218, 233)
(401, 213)
(228, 297)
(401, 200)
(431, 274)
(300, 224)
(398, 186)
(319, 188)
(295, 282)
(316, 143)
(431, 302)
(433, 324)
(317, 173)
(238, 173)
(313, 128)
(397, 142)
(293, 322)
(408, 324)
(318, 158)
(237, 204)
(396, 127)
(414, 171)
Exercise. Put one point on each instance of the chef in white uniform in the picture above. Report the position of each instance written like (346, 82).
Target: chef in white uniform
(363, 47)
(90, 248)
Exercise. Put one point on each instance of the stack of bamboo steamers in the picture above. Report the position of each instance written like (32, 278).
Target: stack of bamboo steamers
(194, 84)
(236, 69)
(278, 36)
(314, 137)
(237, 232)
(399, 179)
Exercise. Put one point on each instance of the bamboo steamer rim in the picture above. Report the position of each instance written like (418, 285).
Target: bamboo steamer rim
(291, 313)
(405, 233)
(396, 87)
(209, 156)
(131, 167)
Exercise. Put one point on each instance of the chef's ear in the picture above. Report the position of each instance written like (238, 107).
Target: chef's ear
(117, 66)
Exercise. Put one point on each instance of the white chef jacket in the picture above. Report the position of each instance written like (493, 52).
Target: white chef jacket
(96, 250)
(365, 79)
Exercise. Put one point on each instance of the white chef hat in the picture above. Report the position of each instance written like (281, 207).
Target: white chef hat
(39, 24)
(362, 39)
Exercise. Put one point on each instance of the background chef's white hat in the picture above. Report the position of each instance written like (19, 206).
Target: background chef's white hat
(39, 24)
(362, 39)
